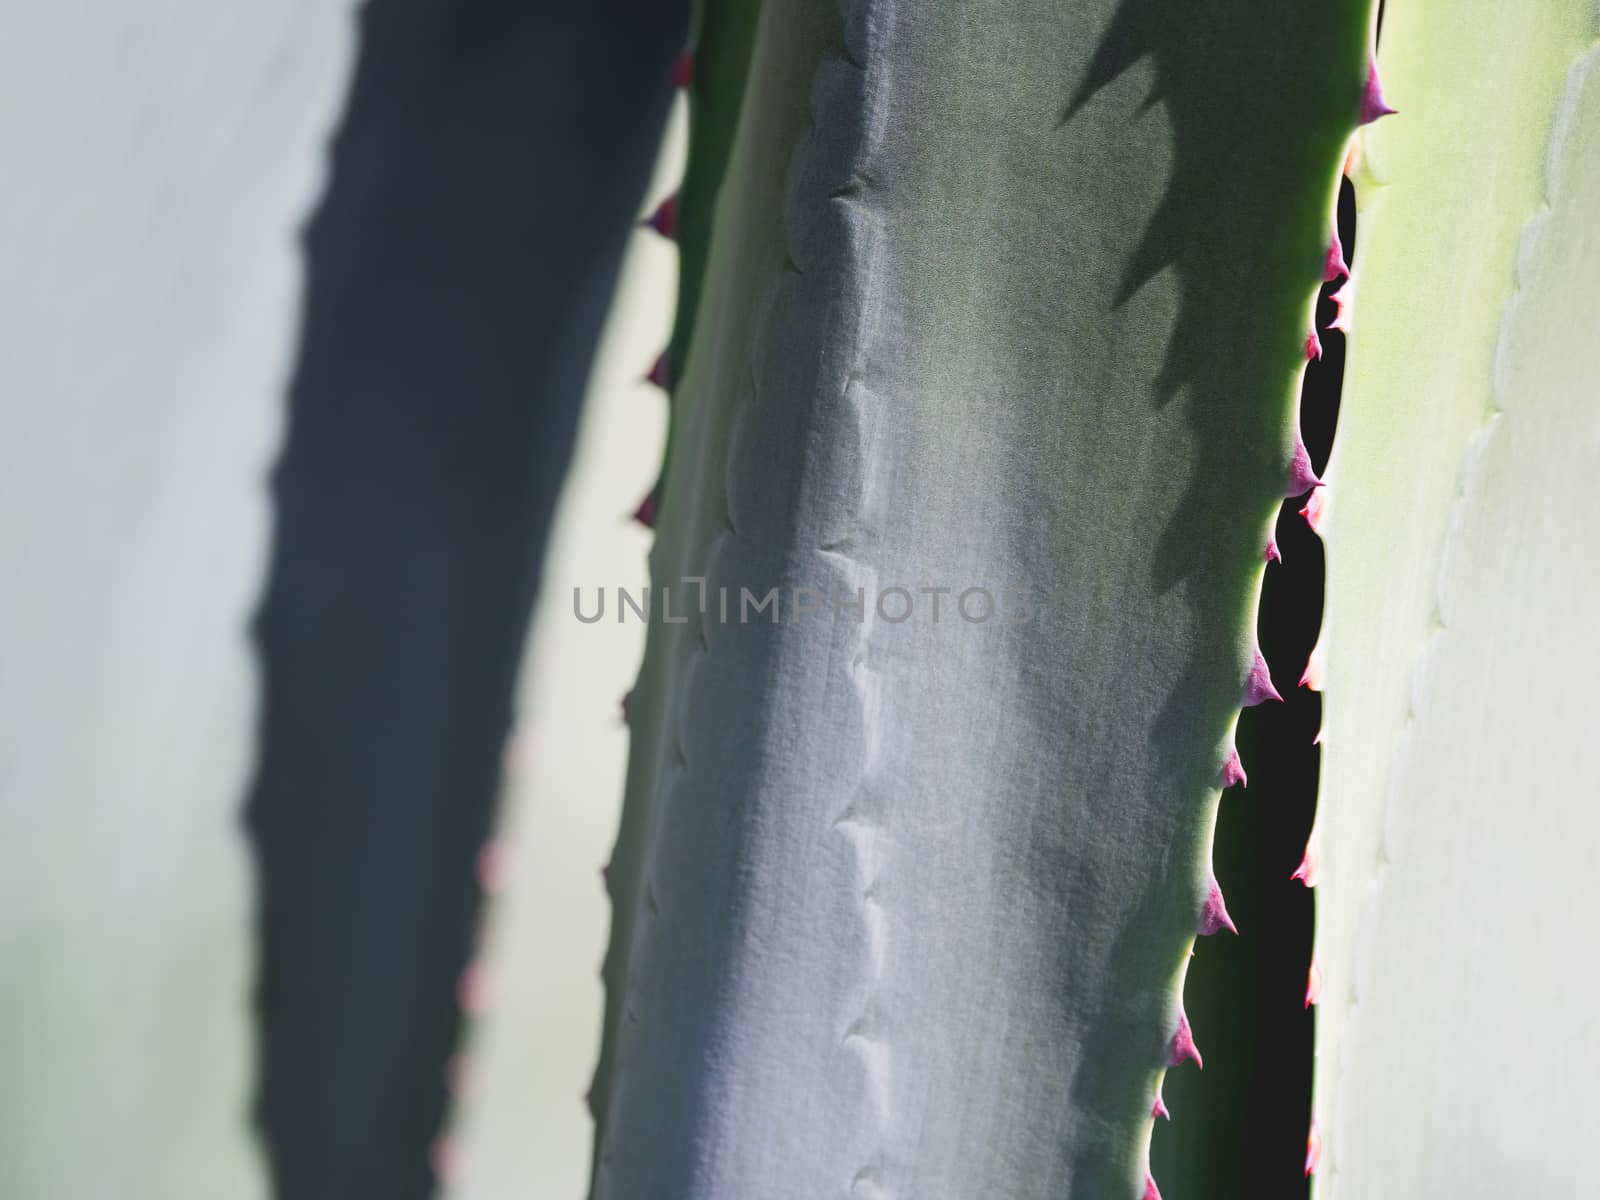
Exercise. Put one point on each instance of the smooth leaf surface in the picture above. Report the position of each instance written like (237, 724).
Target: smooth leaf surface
(1014, 304)
(1456, 825)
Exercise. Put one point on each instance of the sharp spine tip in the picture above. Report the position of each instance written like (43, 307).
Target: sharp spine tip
(1258, 686)
(1342, 301)
(645, 514)
(1313, 346)
(1313, 984)
(1373, 104)
(1316, 509)
(1182, 1048)
(1273, 553)
(664, 220)
(1159, 1108)
(1306, 872)
(1333, 264)
(683, 70)
(1311, 677)
(660, 372)
(1313, 1149)
(1302, 477)
(1214, 914)
(1233, 771)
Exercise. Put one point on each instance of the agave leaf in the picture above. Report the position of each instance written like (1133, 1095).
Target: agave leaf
(1015, 303)
(1456, 823)
(725, 31)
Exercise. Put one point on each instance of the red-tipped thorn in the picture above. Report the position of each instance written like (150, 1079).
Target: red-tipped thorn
(1372, 102)
(660, 372)
(1313, 346)
(494, 866)
(1302, 478)
(1258, 687)
(1273, 553)
(683, 70)
(1313, 984)
(1342, 303)
(1333, 264)
(665, 218)
(1159, 1108)
(1151, 1191)
(1316, 508)
(1233, 771)
(473, 990)
(645, 514)
(1214, 915)
(1183, 1049)
(1310, 862)
(1311, 677)
(1313, 1149)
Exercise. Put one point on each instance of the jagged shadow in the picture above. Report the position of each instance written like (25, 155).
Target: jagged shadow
(489, 166)
(1243, 226)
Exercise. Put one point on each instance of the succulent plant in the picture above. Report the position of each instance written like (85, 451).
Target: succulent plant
(1009, 313)
(1456, 814)
(1008, 338)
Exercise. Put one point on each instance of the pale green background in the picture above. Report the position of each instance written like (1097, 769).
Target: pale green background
(160, 159)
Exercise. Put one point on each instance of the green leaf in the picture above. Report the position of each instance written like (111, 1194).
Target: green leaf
(1456, 822)
(1015, 303)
